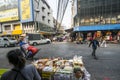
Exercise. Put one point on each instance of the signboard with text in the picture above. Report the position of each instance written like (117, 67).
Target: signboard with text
(8, 10)
(26, 13)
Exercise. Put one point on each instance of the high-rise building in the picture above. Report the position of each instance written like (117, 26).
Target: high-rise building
(97, 15)
(92, 12)
(25, 16)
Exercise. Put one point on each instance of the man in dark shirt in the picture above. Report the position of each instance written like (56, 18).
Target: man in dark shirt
(94, 44)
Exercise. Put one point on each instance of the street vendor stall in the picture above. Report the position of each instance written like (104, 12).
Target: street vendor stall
(60, 69)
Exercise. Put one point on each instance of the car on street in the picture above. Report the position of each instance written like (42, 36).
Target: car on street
(41, 41)
(7, 41)
(36, 38)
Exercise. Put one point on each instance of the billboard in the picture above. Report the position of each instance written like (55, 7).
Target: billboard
(26, 11)
(8, 10)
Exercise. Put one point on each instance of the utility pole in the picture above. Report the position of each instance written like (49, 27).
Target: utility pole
(72, 12)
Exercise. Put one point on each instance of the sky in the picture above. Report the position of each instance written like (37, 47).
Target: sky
(67, 17)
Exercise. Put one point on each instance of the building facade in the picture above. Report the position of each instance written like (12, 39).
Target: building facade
(25, 16)
(97, 16)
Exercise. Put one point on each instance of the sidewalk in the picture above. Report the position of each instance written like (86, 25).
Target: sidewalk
(113, 42)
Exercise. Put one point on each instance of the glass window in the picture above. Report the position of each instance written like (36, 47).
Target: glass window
(107, 9)
(43, 18)
(43, 9)
(7, 27)
(48, 13)
(48, 21)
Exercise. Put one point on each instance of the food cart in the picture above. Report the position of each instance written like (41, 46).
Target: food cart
(59, 69)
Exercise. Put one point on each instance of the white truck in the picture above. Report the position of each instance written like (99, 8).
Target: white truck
(35, 39)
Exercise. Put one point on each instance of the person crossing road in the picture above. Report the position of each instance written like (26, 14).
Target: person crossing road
(94, 44)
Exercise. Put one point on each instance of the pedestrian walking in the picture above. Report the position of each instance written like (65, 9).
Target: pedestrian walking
(94, 44)
(103, 44)
(20, 71)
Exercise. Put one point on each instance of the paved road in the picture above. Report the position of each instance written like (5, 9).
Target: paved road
(107, 66)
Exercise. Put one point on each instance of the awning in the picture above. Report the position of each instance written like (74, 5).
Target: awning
(98, 27)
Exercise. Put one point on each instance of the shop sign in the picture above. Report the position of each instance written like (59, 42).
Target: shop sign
(14, 32)
(26, 11)
(8, 10)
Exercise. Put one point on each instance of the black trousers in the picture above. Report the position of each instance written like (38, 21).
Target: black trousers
(94, 52)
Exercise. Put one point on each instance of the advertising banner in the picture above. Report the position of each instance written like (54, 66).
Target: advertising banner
(8, 10)
(26, 13)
